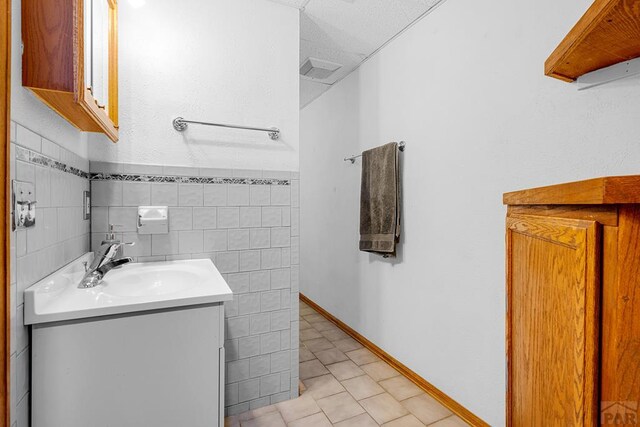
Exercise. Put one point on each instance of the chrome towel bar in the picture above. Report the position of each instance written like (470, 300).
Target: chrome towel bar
(180, 125)
(352, 159)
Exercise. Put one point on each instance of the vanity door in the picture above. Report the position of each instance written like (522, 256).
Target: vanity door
(553, 284)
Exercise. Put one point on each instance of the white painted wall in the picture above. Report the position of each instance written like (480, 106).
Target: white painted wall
(225, 61)
(28, 110)
(465, 89)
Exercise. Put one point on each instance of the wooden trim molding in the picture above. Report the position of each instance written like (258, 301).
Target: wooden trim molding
(5, 279)
(428, 388)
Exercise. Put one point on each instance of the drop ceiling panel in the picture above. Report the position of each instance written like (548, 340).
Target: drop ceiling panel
(415, 8)
(347, 32)
(359, 26)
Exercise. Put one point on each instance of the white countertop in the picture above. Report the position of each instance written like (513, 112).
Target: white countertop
(134, 287)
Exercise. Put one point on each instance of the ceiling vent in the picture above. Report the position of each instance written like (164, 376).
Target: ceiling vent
(318, 69)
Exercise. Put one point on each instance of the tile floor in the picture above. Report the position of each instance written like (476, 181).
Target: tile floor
(346, 385)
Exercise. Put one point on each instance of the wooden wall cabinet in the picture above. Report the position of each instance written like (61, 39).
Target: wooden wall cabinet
(573, 304)
(70, 60)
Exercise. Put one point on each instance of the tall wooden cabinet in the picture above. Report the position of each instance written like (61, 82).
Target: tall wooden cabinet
(573, 304)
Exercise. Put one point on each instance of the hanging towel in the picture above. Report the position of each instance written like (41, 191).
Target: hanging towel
(380, 200)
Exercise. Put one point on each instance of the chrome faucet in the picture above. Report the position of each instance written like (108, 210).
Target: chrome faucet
(102, 263)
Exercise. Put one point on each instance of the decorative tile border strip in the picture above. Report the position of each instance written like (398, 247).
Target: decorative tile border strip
(185, 179)
(26, 155)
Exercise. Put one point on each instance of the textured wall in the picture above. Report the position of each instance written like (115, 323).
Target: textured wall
(59, 236)
(465, 89)
(246, 222)
(224, 61)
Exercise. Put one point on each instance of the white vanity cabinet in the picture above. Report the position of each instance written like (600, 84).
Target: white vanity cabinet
(161, 366)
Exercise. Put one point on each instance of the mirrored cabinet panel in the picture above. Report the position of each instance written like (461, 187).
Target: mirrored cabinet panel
(70, 60)
(97, 49)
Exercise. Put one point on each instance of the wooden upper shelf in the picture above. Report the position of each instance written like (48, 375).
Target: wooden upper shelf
(608, 33)
(597, 191)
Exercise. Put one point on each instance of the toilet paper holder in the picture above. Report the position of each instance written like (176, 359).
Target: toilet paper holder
(153, 220)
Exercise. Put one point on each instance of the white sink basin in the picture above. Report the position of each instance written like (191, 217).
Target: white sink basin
(137, 280)
(131, 288)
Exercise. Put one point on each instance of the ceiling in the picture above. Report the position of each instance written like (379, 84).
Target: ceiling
(348, 32)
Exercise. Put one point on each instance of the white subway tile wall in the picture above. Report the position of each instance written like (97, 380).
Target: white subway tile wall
(246, 229)
(59, 236)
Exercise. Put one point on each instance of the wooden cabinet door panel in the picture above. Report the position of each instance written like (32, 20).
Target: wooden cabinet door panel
(552, 321)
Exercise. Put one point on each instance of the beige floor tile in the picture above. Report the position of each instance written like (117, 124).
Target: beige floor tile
(345, 370)
(270, 420)
(383, 408)
(400, 387)
(379, 371)
(332, 355)
(305, 354)
(232, 421)
(406, 421)
(312, 368)
(315, 420)
(323, 386)
(305, 325)
(334, 334)
(309, 334)
(340, 407)
(325, 326)
(256, 413)
(362, 356)
(314, 318)
(295, 409)
(347, 344)
(362, 420)
(452, 421)
(334, 384)
(318, 344)
(362, 387)
(426, 408)
(305, 311)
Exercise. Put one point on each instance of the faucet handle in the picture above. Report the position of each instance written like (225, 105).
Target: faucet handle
(118, 248)
(111, 249)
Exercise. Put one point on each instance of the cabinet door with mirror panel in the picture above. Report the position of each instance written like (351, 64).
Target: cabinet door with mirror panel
(70, 60)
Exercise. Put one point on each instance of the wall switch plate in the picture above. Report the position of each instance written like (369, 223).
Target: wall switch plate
(86, 205)
(24, 204)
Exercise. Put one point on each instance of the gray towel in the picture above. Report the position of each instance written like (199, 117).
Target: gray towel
(380, 200)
